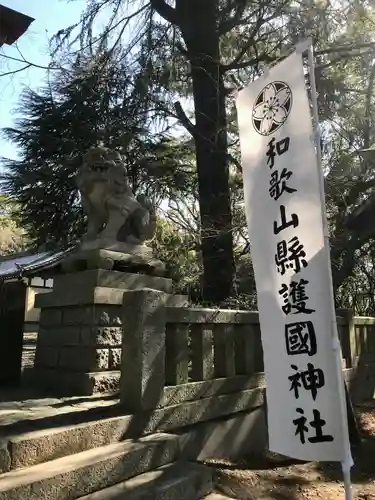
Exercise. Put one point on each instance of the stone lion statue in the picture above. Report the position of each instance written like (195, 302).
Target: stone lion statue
(114, 213)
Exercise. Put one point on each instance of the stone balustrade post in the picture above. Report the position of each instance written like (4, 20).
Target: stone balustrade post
(143, 349)
(348, 339)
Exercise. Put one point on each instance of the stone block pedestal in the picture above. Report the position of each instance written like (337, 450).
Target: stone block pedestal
(118, 256)
(79, 346)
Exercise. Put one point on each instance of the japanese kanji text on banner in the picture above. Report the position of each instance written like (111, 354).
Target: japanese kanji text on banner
(284, 215)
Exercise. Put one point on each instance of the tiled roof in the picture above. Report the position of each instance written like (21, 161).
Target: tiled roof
(31, 264)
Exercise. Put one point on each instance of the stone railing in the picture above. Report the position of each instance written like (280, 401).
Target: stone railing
(357, 336)
(211, 353)
(173, 355)
(203, 344)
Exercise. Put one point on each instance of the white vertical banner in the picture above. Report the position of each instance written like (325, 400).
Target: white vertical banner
(284, 212)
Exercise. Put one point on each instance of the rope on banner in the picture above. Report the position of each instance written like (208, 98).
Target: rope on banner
(347, 463)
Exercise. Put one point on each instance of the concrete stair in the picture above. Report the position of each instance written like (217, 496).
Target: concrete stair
(148, 468)
(74, 476)
(96, 460)
(25, 449)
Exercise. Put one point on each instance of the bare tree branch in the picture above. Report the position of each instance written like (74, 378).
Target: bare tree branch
(190, 127)
(13, 72)
(236, 163)
(181, 115)
(251, 62)
(341, 58)
(252, 42)
(234, 21)
(28, 64)
(165, 11)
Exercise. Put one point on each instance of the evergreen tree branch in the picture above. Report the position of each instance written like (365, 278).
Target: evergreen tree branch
(354, 51)
(252, 40)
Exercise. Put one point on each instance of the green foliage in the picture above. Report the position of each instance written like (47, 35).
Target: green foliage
(13, 238)
(178, 249)
(346, 94)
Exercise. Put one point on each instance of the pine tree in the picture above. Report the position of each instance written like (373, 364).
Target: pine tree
(98, 101)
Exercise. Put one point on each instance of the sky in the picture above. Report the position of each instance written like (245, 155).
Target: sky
(50, 16)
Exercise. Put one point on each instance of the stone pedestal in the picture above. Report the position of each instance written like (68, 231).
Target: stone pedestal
(81, 330)
(118, 256)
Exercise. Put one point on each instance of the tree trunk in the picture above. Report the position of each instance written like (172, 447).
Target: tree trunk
(200, 32)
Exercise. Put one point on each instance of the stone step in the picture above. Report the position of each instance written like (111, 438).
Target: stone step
(25, 449)
(180, 480)
(74, 476)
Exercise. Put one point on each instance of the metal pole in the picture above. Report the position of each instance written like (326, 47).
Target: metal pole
(348, 461)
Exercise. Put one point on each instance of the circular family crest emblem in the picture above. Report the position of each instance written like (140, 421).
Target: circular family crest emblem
(272, 108)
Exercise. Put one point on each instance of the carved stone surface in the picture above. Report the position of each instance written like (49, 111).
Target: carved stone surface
(64, 283)
(115, 359)
(114, 213)
(127, 258)
(102, 335)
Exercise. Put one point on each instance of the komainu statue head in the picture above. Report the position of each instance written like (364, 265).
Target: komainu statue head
(114, 214)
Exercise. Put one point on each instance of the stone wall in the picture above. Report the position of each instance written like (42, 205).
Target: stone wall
(80, 339)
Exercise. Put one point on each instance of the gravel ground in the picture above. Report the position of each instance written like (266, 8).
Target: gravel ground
(276, 478)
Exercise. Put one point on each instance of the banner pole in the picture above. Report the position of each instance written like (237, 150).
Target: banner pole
(347, 462)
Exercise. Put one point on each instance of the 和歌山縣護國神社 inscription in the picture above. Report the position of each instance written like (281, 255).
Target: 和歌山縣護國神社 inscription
(300, 337)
